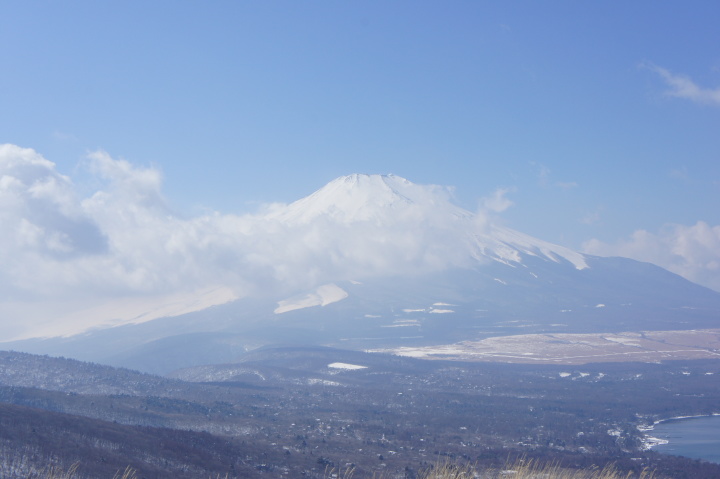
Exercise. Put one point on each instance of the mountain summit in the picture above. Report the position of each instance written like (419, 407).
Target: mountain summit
(379, 198)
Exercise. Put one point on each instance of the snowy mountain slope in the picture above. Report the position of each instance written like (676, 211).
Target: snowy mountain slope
(509, 246)
(398, 264)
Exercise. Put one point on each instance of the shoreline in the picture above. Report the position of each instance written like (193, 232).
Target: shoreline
(649, 441)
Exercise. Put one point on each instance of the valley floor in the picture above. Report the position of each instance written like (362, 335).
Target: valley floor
(300, 412)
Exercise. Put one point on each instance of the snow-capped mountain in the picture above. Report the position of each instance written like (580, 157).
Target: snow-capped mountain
(377, 198)
(392, 263)
(392, 201)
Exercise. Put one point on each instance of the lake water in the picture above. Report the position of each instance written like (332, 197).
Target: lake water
(697, 437)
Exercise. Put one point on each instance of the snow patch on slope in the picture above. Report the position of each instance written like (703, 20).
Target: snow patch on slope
(322, 296)
(128, 310)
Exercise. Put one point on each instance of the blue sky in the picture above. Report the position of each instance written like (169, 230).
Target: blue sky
(600, 120)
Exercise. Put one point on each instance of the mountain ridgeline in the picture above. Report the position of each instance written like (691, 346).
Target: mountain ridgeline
(398, 264)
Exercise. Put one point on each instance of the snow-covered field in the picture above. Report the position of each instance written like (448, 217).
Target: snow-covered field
(646, 346)
(346, 366)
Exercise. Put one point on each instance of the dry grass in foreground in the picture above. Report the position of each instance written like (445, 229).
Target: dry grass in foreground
(71, 473)
(527, 469)
(522, 469)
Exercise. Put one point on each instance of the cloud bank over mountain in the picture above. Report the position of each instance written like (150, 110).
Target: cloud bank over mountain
(121, 254)
(61, 249)
(690, 251)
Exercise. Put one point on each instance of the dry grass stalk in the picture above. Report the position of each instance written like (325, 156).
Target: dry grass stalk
(527, 469)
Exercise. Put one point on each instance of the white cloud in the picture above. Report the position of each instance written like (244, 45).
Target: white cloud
(42, 220)
(498, 201)
(544, 179)
(682, 86)
(690, 251)
(590, 218)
